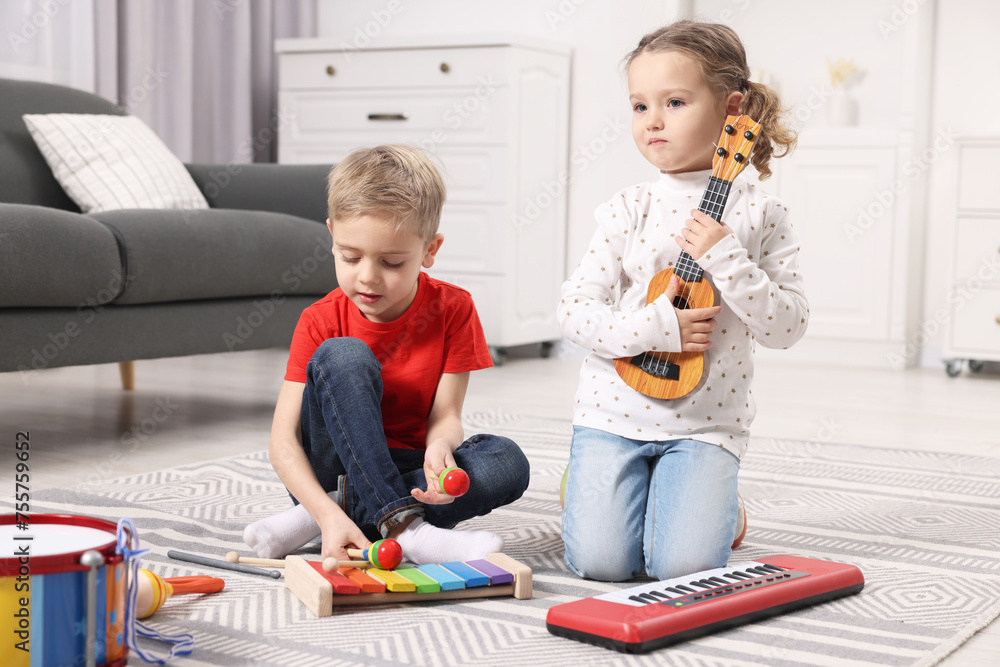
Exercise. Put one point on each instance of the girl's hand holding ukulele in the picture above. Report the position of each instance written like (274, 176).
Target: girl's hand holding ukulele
(701, 232)
(696, 324)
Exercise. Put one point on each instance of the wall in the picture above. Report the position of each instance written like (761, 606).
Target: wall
(957, 55)
(964, 103)
(603, 157)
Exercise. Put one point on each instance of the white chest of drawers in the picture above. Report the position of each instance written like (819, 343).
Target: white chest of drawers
(973, 327)
(495, 112)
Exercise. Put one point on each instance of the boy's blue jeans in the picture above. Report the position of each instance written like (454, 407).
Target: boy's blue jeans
(666, 508)
(342, 437)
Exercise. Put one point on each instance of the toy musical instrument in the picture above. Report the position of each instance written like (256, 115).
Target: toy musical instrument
(454, 481)
(225, 565)
(321, 591)
(62, 591)
(154, 590)
(235, 557)
(383, 554)
(670, 375)
(661, 613)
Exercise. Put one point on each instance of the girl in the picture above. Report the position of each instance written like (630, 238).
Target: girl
(652, 483)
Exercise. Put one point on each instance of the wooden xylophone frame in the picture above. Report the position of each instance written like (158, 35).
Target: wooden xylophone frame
(316, 593)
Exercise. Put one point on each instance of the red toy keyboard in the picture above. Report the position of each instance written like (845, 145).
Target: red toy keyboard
(661, 613)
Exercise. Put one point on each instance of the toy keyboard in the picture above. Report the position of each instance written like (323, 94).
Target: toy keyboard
(661, 613)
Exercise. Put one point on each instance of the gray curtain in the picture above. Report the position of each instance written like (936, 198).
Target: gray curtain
(201, 73)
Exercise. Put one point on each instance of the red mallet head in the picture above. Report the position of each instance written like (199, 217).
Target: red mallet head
(454, 481)
(384, 554)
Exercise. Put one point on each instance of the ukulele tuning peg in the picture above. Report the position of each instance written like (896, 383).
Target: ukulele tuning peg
(729, 129)
(749, 135)
(721, 152)
(738, 157)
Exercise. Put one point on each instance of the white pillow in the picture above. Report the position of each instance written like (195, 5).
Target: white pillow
(107, 163)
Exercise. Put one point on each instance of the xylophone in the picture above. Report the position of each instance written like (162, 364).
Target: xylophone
(661, 613)
(321, 591)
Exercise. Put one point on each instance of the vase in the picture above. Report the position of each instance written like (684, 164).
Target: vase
(841, 109)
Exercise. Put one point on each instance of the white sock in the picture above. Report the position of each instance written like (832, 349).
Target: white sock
(423, 543)
(279, 535)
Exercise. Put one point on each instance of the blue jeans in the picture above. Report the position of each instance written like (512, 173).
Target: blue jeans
(343, 439)
(666, 508)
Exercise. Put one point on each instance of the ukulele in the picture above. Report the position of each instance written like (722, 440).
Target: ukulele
(676, 374)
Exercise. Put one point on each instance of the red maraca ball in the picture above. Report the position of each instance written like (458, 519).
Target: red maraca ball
(385, 554)
(454, 481)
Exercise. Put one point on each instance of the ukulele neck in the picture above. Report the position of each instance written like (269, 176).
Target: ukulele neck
(713, 203)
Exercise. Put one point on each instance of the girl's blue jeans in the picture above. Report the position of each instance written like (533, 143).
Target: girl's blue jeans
(343, 439)
(666, 508)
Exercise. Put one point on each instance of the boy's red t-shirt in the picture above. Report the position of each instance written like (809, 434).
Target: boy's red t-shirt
(439, 333)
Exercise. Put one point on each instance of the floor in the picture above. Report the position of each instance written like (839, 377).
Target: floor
(83, 428)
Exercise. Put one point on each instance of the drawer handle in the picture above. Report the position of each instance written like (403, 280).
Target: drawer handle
(388, 116)
(445, 67)
(330, 70)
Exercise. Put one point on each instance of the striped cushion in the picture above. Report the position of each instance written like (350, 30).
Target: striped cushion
(108, 163)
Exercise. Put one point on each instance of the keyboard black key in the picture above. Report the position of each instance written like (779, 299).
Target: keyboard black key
(716, 580)
(660, 595)
(675, 590)
(772, 568)
(685, 588)
(700, 585)
(636, 598)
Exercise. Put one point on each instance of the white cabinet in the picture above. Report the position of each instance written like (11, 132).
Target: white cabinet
(847, 196)
(973, 327)
(495, 113)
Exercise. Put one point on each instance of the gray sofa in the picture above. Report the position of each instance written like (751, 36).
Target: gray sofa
(139, 284)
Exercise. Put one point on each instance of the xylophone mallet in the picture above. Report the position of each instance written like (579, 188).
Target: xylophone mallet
(383, 554)
(235, 557)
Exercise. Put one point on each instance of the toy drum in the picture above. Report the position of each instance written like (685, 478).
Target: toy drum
(47, 576)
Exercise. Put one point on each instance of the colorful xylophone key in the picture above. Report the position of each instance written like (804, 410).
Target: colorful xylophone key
(320, 591)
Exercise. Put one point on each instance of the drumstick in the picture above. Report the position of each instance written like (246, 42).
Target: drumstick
(225, 565)
(235, 557)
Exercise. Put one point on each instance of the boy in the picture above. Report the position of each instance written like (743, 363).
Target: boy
(370, 412)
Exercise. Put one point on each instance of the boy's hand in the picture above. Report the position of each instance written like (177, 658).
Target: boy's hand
(437, 457)
(339, 534)
(700, 233)
(696, 324)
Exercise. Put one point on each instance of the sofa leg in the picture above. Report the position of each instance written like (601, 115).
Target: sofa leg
(127, 370)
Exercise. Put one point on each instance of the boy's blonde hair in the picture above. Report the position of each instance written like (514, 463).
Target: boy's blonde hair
(396, 182)
(719, 52)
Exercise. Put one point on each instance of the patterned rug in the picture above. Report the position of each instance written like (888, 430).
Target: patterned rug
(924, 528)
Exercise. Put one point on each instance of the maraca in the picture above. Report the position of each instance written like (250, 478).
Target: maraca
(154, 590)
(454, 481)
(383, 554)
